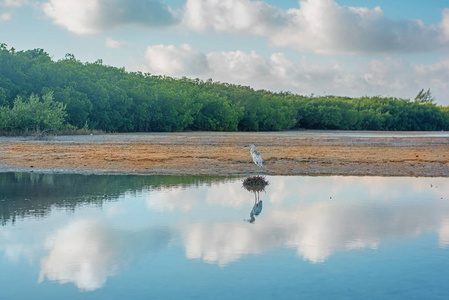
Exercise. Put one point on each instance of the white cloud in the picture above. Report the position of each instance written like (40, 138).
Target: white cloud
(383, 74)
(390, 76)
(86, 252)
(78, 17)
(320, 26)
(111, 43)
(173, 199)
(231, 15)
(173, 61)
(186, 200)
(225, 195)
(14, 3)
(436, 75)
(11, 6)
(223, 243)
(234, 66)
(445, 23)
(238, 67)
(314, 230)
(92, 16)
(5, 17)
(15, 248)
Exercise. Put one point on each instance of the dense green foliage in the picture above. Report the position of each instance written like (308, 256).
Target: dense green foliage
(107, 98)
(33, 114)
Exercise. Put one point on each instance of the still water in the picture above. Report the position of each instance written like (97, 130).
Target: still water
(183, 237)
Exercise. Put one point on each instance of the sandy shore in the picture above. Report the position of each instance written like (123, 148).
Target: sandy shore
(285, 153)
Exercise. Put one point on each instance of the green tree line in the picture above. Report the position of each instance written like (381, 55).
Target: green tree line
(101, 97)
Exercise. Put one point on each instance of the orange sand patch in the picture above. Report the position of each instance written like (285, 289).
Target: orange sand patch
(223, 154)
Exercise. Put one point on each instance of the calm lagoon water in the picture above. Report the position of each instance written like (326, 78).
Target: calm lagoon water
(183, 237)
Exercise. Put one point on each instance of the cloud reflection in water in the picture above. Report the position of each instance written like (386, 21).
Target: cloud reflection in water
(87, 252)
(207, 223)
(317, 229)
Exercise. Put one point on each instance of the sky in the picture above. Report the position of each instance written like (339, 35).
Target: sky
(322, 47)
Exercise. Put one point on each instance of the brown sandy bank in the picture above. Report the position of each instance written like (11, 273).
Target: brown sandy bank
(285, 153)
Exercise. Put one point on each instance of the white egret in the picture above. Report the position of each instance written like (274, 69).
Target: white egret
(257, 158)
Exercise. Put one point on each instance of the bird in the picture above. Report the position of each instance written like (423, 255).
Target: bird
(257, 158)
(257, 208)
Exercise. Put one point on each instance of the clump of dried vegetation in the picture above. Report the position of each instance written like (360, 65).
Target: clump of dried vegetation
(255, 183)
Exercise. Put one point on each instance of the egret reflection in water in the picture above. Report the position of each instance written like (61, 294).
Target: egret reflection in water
(255, 185)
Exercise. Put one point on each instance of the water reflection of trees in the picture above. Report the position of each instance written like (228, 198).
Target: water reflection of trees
(25, 194)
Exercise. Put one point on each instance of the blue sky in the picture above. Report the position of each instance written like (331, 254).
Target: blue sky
(340, 47)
